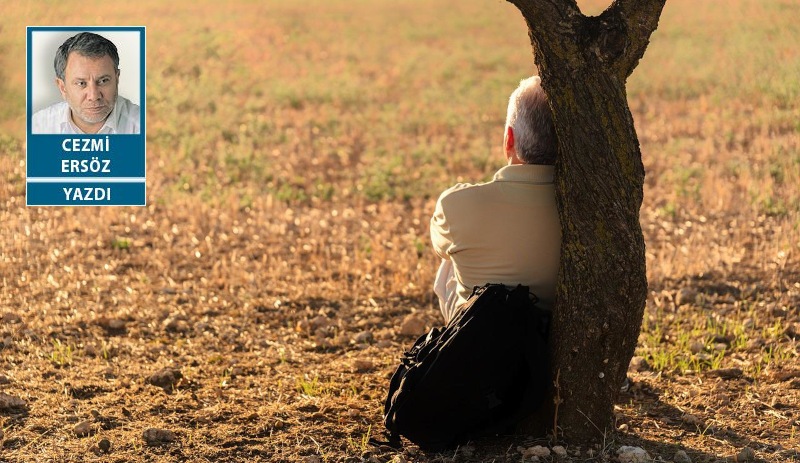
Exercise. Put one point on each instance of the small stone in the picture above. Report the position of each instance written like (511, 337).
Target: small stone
(362, 365)
(623, 427)
(638, 364)
(719, 347)
(755, 344)
(696, 347)
(685, 296)
(727, 373)
(175, 325)
(89, 350)
(535, 452)
(10, 402)
(560, 451)
(82, 429)
(320, 321)
(95, 414)
(155, 437)
(693, 420)
(4, 379)
(11, 318)
(466, 451)
(745, 455)
(113, 325)
(792, 454)
(104, 445)
(165, 378)
(412, 325)
(681, 457)
(363, 337)
(628, 454)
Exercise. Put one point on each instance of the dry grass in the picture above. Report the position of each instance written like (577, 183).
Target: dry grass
(294, 154)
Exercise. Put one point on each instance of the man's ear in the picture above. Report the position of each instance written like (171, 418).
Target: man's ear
(62, 87)
(509, 140)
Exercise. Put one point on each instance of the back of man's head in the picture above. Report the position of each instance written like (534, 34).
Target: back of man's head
(529, 116)
(86, 44)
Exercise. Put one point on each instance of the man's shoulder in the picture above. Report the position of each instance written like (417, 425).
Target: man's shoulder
(49, 118)
(463, 191)
(129, 116)
(128, 108)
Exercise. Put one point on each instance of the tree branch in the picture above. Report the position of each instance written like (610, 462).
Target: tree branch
(552, 28)
(641, 19)
(547, 11)
(617, 38)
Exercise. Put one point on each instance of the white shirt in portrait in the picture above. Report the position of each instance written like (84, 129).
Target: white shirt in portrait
(57, 119)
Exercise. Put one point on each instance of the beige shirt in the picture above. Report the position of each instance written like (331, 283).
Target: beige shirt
(504, 231)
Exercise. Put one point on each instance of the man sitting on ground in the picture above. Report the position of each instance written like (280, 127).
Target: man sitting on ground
(507, 230)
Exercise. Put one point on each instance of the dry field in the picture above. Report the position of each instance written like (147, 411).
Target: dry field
(253, 310)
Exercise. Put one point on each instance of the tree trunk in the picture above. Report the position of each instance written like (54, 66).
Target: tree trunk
(584, 62)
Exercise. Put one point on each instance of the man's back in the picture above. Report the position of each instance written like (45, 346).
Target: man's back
(504, 231)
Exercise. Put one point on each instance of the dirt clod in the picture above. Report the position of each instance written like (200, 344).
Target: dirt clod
(681, 457)
(11, 318)
(165, 378)
(82, 429)
(11, 403)
(112, 325)
(412, 325)
(363, 365)
(104, 445)
(155, 436)
(746, 455)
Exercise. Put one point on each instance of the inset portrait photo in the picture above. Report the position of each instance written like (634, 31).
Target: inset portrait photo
(85, 81)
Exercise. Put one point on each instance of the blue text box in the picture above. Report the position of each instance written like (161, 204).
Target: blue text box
(86, 193)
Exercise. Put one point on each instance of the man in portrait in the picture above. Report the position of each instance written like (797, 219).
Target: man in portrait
(87, 76)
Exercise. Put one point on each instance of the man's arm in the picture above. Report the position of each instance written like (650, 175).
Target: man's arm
(440, 231)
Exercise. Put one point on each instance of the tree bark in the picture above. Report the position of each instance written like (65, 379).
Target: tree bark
(584, 63)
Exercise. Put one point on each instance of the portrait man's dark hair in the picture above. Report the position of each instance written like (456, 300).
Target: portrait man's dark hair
(87, 44)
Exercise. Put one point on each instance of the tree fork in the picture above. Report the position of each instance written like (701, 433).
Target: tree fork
(584, 63)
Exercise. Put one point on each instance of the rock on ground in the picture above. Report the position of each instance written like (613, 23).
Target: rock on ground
(535, 451)
(82, 429)
(627, 454)
(412, 325)
(681, 457)
(165, 378)
(746, 455)
(10, 402)
(104, 445)
(154, 436)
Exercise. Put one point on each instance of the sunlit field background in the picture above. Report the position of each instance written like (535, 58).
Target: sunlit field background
(295, 151)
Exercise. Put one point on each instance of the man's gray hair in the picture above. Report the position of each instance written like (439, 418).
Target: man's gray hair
(529, 115)
(86, 44)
